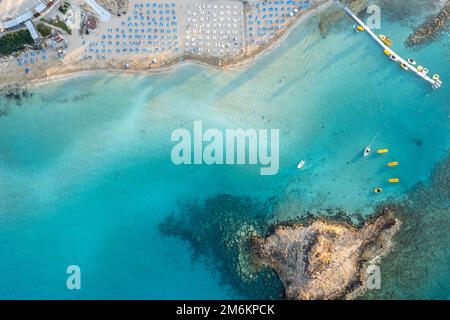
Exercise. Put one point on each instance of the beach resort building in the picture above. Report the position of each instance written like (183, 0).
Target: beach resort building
(15, 14)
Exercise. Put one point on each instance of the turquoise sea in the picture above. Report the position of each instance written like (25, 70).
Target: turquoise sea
(86, 175)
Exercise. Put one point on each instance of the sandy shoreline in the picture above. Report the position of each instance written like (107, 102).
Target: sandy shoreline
(233, 63)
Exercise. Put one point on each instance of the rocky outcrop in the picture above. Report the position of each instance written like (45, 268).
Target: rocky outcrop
(325, 260)
(428, 30)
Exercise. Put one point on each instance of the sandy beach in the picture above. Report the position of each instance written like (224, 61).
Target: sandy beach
(77, 62)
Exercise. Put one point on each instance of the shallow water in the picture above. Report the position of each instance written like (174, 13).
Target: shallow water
(86, 175)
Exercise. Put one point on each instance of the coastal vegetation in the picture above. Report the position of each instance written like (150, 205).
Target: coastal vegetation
(60, 24)
(44, 30)
(16, 41)
(64, 7)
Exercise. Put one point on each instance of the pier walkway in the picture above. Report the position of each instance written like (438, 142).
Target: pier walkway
(436, 83)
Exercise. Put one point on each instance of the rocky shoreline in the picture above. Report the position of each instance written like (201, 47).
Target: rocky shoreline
(432, 26)
(305, 258)
(325, 260)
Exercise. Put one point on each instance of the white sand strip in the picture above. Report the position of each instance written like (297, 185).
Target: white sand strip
(102, 12)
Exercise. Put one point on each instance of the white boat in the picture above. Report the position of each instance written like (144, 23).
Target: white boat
(393, 58)
(367, 151)
(301, 164)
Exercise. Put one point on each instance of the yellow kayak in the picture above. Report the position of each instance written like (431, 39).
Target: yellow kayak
(394, 180)
(386, 40)
(393, 164)
(360, 28)
(381, 151)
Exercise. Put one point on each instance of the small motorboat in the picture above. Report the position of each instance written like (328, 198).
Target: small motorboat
(301, 164)
(435, 77)
(378, 190)
(393, 164)
(394, 180)
(393, 58)
(404, 66)
(412, 61)
(381, 151)
(386, 40)
(366, 151)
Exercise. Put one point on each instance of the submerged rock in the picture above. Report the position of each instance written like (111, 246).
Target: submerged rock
(10, 96)
(419, 267)
(15, 93)
(219, 229)
(432, 26)
(331, 16)
(325, 260)
(406, 11)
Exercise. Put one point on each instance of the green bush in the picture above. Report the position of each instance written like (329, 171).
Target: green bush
(44, 30)
(61, 24)
(63, 9)
(15, 41)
